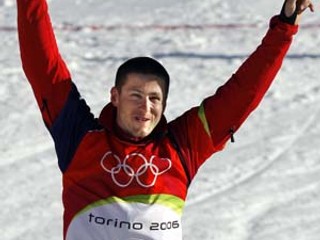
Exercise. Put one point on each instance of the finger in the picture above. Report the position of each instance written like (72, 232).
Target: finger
(311, 6)
(303, 6)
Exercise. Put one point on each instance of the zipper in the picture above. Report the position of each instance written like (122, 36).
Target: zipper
(231, 132)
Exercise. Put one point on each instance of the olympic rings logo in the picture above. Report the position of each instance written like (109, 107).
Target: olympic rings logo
(134, 166)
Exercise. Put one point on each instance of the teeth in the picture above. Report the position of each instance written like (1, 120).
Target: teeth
(142, 119)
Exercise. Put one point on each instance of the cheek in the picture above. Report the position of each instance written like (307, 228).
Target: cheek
(158, 110)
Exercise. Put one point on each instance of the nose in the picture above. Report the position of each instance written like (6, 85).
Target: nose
(145, 104)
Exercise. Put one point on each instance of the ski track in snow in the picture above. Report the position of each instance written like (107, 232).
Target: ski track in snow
(265, 186)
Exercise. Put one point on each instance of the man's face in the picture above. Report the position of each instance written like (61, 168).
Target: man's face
(140, 104)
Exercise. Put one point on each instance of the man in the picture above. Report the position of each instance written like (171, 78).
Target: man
(126, 173)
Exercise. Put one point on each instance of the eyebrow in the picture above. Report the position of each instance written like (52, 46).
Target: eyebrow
(157, 93)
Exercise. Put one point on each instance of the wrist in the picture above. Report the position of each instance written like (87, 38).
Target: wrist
(291, 19)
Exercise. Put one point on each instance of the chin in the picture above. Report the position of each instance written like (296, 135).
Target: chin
(143, 134)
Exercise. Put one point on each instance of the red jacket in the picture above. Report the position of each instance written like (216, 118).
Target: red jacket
(117, 189)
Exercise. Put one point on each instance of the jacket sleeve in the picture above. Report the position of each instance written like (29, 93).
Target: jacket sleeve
(41, 61)
(205, 129)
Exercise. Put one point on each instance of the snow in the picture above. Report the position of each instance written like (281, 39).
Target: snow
(264, 186)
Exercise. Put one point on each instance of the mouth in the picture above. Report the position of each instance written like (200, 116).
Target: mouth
(141, 119)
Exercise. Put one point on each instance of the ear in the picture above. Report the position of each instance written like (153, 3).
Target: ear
(114, 96)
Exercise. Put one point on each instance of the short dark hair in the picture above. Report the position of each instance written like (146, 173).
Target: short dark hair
(142, 65)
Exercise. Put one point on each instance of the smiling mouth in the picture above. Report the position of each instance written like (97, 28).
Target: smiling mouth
(142, 119)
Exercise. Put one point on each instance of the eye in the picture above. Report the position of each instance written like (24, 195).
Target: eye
(135, 95)
(155, 99)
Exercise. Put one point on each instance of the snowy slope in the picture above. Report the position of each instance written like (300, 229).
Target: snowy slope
(265, 186)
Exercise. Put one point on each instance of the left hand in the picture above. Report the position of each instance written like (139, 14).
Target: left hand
(297, 6)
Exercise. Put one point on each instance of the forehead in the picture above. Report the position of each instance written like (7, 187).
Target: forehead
(144, 82)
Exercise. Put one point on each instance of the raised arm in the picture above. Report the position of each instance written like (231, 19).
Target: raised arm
(234, 101)
(205, 129)
(42, 63)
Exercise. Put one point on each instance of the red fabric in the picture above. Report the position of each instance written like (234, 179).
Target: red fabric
(41, 60)
(86, 182)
